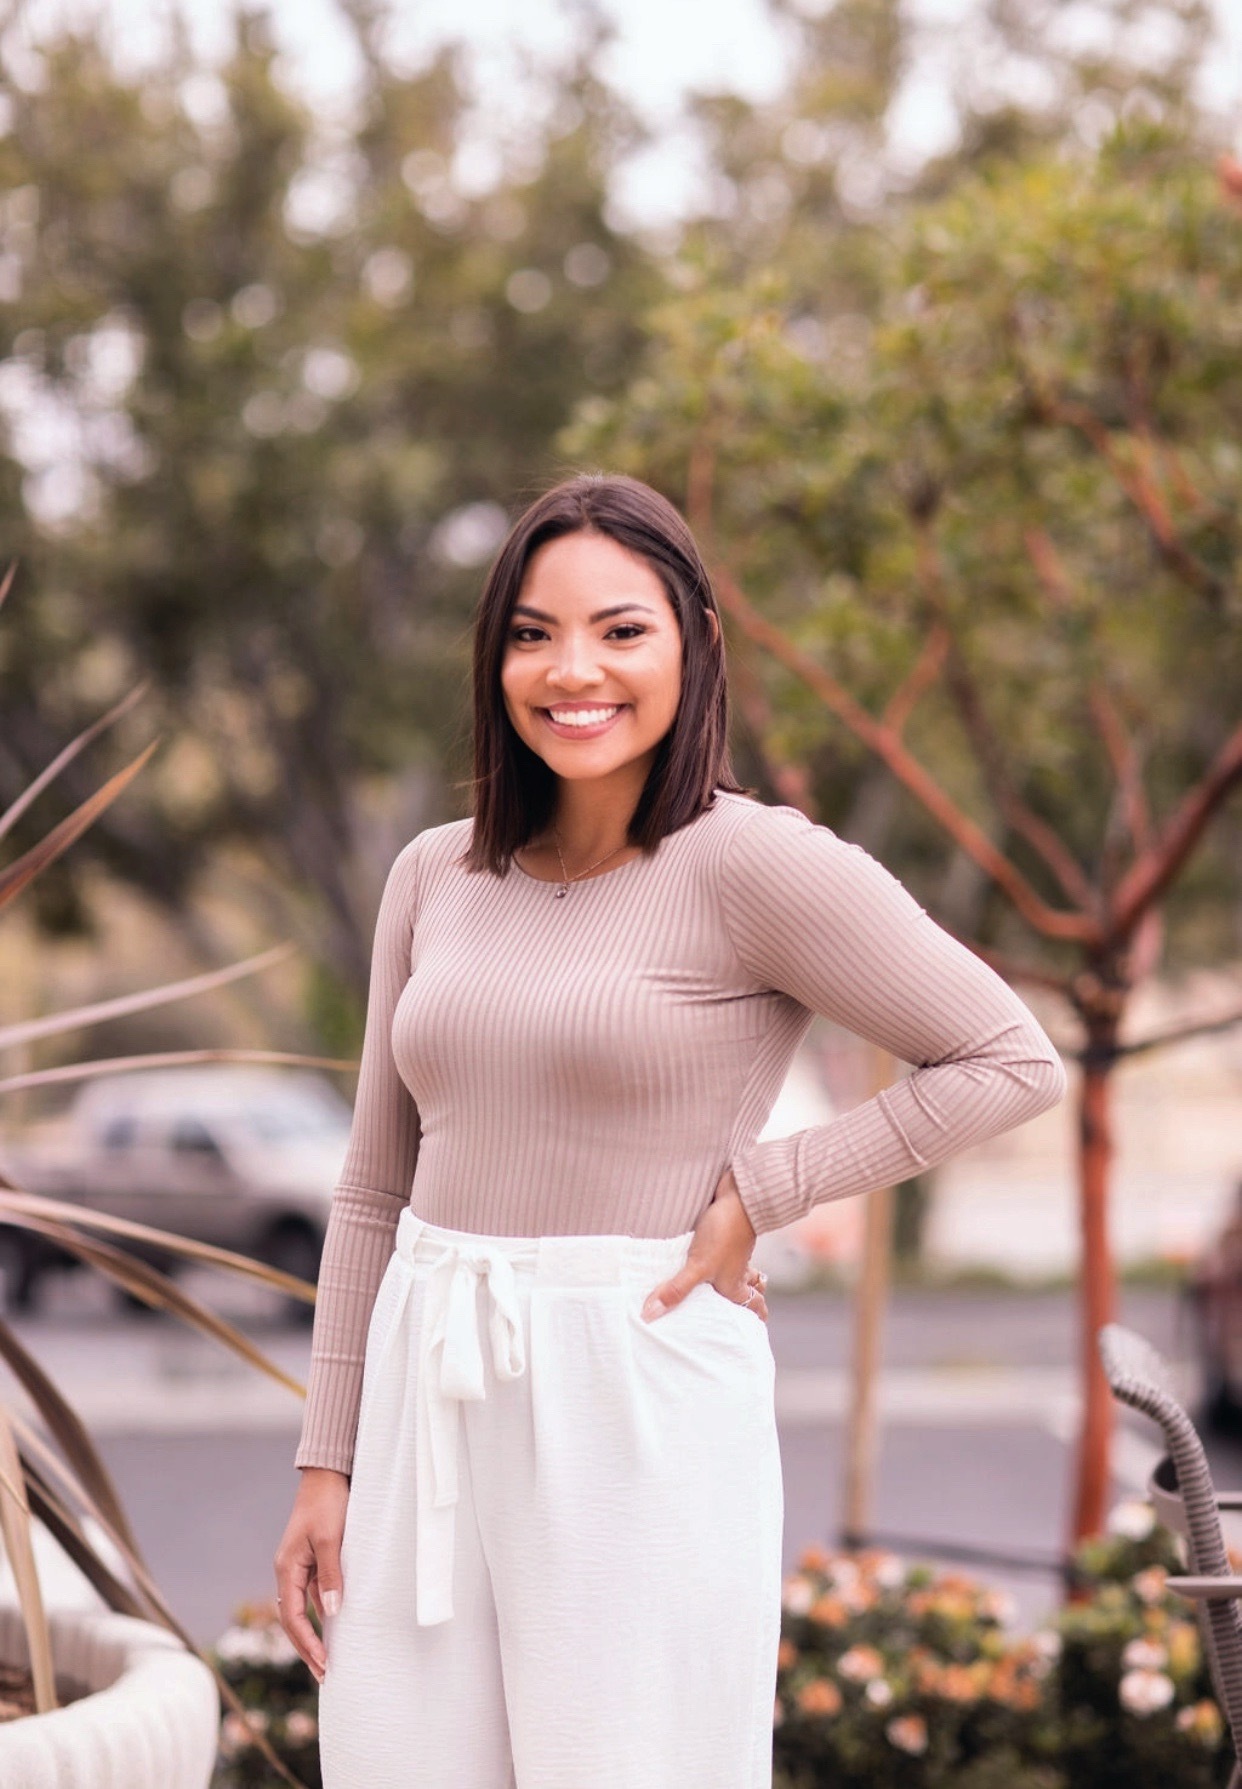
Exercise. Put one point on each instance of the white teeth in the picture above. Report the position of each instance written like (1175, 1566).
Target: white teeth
(585, 717)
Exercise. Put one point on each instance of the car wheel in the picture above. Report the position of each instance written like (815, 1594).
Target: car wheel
(18, 1275)
(296, 1250)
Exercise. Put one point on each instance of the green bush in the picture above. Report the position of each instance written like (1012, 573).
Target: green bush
(258, 1660)
(897, 1677)
(1134, 1693)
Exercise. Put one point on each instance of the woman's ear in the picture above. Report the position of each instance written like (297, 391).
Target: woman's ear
(713, 624)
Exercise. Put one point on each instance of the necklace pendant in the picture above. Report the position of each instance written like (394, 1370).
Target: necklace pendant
(562, 891)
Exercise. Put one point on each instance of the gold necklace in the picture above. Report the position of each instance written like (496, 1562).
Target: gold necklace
(563, 890)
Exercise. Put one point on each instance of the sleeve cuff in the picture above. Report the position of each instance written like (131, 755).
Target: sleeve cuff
(332, 1462)
(767, 1184)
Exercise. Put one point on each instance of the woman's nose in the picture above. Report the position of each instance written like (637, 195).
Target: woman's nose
(575, 666)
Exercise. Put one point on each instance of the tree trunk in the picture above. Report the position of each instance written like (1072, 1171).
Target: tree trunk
(1097, 1285)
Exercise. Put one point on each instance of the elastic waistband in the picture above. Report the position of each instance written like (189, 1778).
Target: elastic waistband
(556, 1260)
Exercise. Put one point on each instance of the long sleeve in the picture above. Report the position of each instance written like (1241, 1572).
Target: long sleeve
(819, 919)
(373, 1187)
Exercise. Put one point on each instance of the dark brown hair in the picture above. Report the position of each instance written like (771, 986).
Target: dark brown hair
(514, 790)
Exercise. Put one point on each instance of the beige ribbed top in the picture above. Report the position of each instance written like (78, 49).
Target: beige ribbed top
(535, 1065)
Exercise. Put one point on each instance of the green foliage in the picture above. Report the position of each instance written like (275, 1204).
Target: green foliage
(309, 370)
(1030, 442)
(310, 373)
(897, 1675)
(1133, 1685)
(275, 1689)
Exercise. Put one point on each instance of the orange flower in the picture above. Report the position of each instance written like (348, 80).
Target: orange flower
(815, 1558)
(924, 1668)
(819, 1697)
(1203, 1719)
(860, 1664)
(908, 1732)
(860, 1596)
(829, 1610)
(957, 1683)
(786, 1654)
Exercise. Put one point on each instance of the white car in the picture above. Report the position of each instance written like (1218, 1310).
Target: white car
(242, 1157)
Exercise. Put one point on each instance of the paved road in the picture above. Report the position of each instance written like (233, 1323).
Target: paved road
(978, 1397)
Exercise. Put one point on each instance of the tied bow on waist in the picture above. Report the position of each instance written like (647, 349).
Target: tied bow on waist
(450, 1369)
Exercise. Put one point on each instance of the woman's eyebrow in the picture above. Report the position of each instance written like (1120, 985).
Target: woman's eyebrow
(599, 615)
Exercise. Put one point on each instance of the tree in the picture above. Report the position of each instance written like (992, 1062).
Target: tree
(992, 543)
(303, 372)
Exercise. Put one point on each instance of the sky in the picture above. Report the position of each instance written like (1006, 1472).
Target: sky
(661, 51)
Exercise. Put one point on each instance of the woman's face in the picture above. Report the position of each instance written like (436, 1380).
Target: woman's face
(592, 666)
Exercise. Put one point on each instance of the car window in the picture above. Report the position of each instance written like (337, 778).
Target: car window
(120, 1132)
(294, 1122)
(191, 1136)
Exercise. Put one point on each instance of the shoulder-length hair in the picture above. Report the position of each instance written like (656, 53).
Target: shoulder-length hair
(514, 790)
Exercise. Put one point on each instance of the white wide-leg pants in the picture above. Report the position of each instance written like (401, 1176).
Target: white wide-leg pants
(562, 1550)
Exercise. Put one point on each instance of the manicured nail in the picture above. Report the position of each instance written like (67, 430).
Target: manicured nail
(654, 1307)
(331, 1602)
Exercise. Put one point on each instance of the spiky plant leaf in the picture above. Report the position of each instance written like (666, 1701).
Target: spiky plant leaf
(19, 1548)
(20, 874)
(9, 819)
(33, 1211)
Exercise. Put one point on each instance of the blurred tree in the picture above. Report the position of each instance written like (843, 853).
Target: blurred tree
(280, 377)
(991, 540)
(285, 376)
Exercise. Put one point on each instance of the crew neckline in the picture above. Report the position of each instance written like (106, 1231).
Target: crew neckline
(582, 881)
(606, 875)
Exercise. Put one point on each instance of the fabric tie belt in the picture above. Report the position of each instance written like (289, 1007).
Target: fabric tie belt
(451, 1369)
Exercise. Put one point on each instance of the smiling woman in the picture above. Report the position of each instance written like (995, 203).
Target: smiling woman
(606, 677)
(558, 1118)
(599, 640)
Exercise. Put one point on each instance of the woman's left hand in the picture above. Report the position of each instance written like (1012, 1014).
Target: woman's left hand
(719, 1252)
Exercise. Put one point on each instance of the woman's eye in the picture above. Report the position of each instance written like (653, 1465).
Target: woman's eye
(628, 628)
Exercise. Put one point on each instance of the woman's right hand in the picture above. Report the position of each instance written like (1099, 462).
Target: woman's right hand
(308, 1560)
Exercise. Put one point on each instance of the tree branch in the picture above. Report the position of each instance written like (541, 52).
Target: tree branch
(1177, 1034)
(1156, 869)
(789, 780)
(1077, 928)
(923, 674)
(1103, 710)
(987, 747)
(1135, 482)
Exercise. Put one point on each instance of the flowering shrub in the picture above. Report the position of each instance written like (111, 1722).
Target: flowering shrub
(1133, 1685)
(895, 1677)
(278, 1692)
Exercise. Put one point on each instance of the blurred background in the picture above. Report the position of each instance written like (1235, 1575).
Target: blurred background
(928, 315)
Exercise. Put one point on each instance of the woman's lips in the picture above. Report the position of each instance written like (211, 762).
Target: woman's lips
(563, 731)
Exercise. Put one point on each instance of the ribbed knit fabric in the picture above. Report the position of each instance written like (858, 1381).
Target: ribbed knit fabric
(535, 1065)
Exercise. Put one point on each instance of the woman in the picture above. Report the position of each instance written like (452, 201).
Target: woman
(541, 1501)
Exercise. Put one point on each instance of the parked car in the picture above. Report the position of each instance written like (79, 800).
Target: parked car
(1215, 1297)
(245, 1158)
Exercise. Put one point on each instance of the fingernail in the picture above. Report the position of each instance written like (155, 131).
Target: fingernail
(331, 1602)
(654, 1307)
